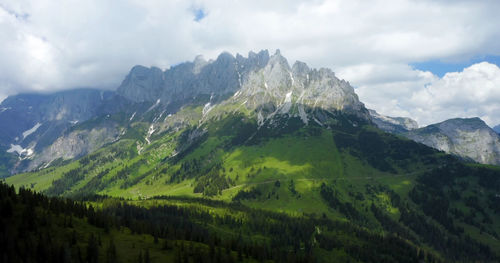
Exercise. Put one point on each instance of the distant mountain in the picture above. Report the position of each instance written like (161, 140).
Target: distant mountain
(32, 123)
(393, 124)
(468, 138)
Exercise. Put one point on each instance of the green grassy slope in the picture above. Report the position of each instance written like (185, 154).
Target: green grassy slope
(350, 171)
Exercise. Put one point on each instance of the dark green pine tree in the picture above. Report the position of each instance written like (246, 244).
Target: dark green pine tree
(92, 250)
(111, 255)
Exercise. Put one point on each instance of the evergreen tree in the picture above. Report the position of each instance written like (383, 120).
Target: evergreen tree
(92, 249)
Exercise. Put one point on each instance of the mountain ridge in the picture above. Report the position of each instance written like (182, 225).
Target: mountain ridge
(261, 83)
(468, 138)
(290, 139)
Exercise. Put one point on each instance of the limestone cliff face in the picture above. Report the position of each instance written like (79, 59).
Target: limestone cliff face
(188, 81)
(49, 113)
(393, 124)
(261, 82)
(469, 138)
(40, 128)
(297, 91)
(76, 144)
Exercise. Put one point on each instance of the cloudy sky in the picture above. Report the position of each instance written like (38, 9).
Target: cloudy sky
(429, 60)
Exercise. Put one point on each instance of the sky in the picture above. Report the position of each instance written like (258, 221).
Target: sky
(428, 60)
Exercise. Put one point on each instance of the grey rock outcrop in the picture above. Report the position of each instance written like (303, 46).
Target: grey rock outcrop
(393, 124)
(31, 123)
(75, 144)
(39, 128)
(188, 81)
(468, 138)
(28, 118)
(297, 91)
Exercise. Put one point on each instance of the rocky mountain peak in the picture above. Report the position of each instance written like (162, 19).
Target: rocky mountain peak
(297, 91)
(142, 84)
(199, 62)
(393, 124)
(300, 69)
(466, 137)
(277, 60)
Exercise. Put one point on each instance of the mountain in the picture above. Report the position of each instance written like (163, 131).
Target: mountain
(43, 128)
(468, 138)
(40, 129)
(279, 159)
(497, 129)
(395, 125)
(32, 123)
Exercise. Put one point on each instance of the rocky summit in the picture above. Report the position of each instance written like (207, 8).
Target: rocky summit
(393, 124)
(468, 138)
(40, 129)
(229, 154)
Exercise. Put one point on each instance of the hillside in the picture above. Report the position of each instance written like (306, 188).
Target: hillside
(468, 138)
(288, 143)
(358, 174)
(181, 230)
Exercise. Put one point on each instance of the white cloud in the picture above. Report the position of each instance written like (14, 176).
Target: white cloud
(60, 44)
(474, 92)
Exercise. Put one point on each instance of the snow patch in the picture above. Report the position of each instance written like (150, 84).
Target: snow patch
(207, 108)
(154, 105)
(47, 164)
(73, 122)
(288, 97)
(150, 132)
(265, 85)
(237, 93)
(317, 121)
(4, 109)
(132, 117)
(32, 130)
(239, 78)
(260, 119)
(291, 77)
(287, 104)
(156, 119)
(303, 115)
(20, 150)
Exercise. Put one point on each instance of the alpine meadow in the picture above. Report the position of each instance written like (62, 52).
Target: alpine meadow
(241, 158)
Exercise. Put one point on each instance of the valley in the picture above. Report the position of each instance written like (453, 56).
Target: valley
(248, 160)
